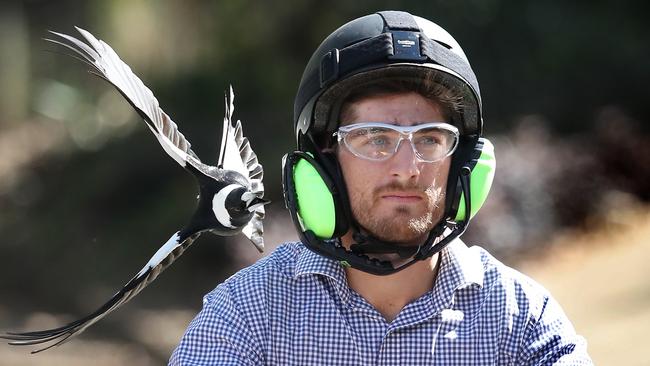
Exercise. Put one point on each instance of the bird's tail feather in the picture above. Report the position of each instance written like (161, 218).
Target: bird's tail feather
(164, 257)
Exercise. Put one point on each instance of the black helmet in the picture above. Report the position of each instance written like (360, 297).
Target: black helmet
(383, 46)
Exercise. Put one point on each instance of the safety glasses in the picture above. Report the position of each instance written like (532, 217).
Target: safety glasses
(379, 141)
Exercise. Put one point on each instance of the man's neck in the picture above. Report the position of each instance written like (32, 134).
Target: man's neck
(390, 294)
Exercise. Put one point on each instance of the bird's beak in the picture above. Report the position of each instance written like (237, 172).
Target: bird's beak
(256, 203)
(252, 201)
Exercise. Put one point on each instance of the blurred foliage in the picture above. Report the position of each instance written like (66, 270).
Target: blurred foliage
(87, 195)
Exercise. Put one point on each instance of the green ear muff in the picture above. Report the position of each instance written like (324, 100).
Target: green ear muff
(314, 200)
(314, 196)
(480, 180)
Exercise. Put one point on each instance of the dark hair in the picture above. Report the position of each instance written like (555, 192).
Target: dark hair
(431, 86)
(449, 99)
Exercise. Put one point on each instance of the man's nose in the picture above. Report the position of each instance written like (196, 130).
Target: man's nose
(404, 163)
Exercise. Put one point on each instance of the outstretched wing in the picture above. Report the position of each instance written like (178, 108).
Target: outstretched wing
(162, 259)
(254, 230)
(107, 64)
(236, 154)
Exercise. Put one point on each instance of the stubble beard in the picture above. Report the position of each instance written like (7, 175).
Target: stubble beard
(402, 224)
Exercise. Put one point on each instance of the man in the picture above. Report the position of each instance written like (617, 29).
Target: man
(389, 170)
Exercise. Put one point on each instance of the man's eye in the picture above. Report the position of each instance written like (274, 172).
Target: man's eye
(378, 140)
(429, 140)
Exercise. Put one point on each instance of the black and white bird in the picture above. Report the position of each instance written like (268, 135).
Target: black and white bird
(230, 199)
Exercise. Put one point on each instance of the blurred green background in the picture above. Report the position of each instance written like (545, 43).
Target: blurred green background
(87, 195)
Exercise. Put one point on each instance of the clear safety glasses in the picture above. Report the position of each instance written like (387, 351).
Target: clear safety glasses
(379, 141)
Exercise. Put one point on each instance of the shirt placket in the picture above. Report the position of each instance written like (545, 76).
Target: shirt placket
(414, 326)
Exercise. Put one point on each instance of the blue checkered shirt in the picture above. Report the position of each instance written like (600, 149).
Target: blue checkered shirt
(294, 307)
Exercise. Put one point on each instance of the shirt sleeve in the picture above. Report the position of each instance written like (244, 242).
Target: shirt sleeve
(218, 335)
(550, 339)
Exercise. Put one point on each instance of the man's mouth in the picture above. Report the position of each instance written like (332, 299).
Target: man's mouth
(401, 197)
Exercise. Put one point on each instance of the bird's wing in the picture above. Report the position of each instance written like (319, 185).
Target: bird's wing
(254, 230)
(106, 64)
(236, 152)
(162, 259)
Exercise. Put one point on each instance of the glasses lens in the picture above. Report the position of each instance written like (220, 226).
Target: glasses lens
(431, 143)
(375, 143)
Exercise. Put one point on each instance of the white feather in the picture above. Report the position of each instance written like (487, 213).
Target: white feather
(161, 254)
(177, 154)
(109, 66)
(232, 159)
(219, 205)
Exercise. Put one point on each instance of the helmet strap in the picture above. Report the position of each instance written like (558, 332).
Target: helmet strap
(459, 160)
(369, 244)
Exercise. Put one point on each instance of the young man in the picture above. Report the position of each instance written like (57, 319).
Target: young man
(389, 170)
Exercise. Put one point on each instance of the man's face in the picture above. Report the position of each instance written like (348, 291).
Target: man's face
(399, 199)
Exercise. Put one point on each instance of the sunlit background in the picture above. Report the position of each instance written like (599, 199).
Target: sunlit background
(87, 194)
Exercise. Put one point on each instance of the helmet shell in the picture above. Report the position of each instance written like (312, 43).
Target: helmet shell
(319, 97)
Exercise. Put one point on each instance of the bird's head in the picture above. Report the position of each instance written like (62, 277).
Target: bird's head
(234, 205)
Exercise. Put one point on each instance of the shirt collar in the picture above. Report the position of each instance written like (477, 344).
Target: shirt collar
(311, 263)
(464, 264)
(460, 267)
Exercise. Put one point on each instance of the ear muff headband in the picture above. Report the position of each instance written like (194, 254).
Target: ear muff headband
(481, 176)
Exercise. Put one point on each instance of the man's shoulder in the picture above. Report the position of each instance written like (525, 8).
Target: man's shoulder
(281, 261)
(509, 283)
(538, 331)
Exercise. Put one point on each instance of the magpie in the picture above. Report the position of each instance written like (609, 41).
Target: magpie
(230, 199)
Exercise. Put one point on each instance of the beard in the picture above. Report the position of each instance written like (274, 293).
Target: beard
(407, 223)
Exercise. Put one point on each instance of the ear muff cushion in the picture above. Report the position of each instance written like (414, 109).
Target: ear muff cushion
(480, 180)
(315, 201)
